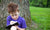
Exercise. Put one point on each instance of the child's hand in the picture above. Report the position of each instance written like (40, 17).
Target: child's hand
(12, 22)
(16, 26)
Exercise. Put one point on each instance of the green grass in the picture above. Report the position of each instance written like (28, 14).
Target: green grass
(41, 16)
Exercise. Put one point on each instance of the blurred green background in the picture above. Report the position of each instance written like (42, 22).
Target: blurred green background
(40, 13)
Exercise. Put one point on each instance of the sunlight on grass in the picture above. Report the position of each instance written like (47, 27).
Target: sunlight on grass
(40, 15)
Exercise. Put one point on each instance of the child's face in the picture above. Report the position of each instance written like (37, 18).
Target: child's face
(14, 15)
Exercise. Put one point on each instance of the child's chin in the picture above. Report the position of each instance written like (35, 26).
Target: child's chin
(14, 19)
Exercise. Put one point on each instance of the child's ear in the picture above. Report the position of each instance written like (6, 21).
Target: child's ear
(18, 13)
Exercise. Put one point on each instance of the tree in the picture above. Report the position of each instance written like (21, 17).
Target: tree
(48, 3)
(23, 7)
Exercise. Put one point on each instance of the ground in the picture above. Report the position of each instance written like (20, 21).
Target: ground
(41, 16)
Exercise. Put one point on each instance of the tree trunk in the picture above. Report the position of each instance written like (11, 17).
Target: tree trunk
(24, 12)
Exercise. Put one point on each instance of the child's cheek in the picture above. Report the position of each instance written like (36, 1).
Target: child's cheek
(14, 17)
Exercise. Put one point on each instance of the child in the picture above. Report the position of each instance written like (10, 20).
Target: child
(14, 16)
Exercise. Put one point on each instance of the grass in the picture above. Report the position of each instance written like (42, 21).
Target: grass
(41, 16)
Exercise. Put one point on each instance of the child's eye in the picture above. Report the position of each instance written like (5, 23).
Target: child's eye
(12, 15)
(15, 14)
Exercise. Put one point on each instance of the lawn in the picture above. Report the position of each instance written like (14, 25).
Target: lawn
(41, 16)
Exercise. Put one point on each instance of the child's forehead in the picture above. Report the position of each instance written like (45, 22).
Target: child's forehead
(13, 12)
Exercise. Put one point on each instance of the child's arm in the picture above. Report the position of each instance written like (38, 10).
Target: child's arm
(23, 25)
(8, 22)
(20, 28)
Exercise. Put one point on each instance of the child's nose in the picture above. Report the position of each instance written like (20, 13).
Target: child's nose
(14, 16)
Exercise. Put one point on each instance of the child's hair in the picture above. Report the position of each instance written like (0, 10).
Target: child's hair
(12, 7)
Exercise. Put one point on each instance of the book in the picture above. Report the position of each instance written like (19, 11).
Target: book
(9, 26)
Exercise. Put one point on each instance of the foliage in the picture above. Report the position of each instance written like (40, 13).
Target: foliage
(39, 3)
(0, 0)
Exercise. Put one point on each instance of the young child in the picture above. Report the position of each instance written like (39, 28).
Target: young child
(14, 16)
